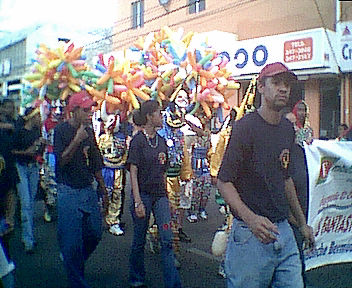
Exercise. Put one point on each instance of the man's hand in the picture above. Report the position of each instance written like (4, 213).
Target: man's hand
(43, 141)
(81, 134)
(30, 151)
(309, 141)
(263, 229)
(103, 192)
(307, 233)
(140, 210)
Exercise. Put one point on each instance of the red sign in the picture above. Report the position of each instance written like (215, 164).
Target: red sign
(298, 50)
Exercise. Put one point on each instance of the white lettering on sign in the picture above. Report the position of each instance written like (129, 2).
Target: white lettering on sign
(298, 50)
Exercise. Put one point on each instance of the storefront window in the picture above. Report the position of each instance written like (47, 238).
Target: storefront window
(329, 108)
(297, 93)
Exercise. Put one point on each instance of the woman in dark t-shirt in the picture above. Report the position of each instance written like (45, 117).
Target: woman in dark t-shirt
(147, 160)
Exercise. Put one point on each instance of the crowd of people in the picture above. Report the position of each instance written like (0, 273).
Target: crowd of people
(80, 162)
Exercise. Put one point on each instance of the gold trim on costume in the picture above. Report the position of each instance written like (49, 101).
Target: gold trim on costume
(32, 114)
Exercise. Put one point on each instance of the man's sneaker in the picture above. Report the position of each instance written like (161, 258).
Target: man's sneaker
(183, 236)
(192, 218)
(203, 215)
(116, 230)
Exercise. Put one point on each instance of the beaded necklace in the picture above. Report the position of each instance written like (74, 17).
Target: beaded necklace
(149, 142)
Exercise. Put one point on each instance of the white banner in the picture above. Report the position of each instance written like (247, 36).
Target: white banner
(330, 202)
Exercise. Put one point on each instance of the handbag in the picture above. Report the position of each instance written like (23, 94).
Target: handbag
(219, 244)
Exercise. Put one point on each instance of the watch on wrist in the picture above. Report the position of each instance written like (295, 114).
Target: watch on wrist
(137, 204)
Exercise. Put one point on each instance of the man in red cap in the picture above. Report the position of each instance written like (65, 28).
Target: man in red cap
(255, 181)
(78, 162)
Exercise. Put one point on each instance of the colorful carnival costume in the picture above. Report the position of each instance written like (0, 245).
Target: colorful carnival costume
(48, 182)
(113, 147)
(216, 157)
(179, 168)
(202, 180)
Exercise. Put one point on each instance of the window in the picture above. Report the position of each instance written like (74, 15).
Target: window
(330, 101)
(137, 14)
(196, 6)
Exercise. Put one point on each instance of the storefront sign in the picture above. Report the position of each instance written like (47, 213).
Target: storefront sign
(330, 202)
(308, 49)
(298, 50)
(344, 32)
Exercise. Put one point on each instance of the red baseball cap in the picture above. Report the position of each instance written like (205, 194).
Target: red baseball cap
(276, 68)
(80, 99)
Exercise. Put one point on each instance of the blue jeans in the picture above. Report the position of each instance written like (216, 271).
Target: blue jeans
(7, 269)
(252, 264)
(79, 229)
(27, 189)
(161, 211)
(299, 240)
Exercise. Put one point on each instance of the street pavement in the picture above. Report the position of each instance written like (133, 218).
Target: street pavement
(108, 265)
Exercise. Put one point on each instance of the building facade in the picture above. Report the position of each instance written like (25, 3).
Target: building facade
(295, 26)
(12, 68)
(18, 52)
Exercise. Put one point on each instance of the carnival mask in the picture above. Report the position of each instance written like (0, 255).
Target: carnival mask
(182, 100)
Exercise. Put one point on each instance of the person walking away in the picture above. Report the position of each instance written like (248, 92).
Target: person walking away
(254, 180)
(78, 161)
(148, 163)
(27, 147)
